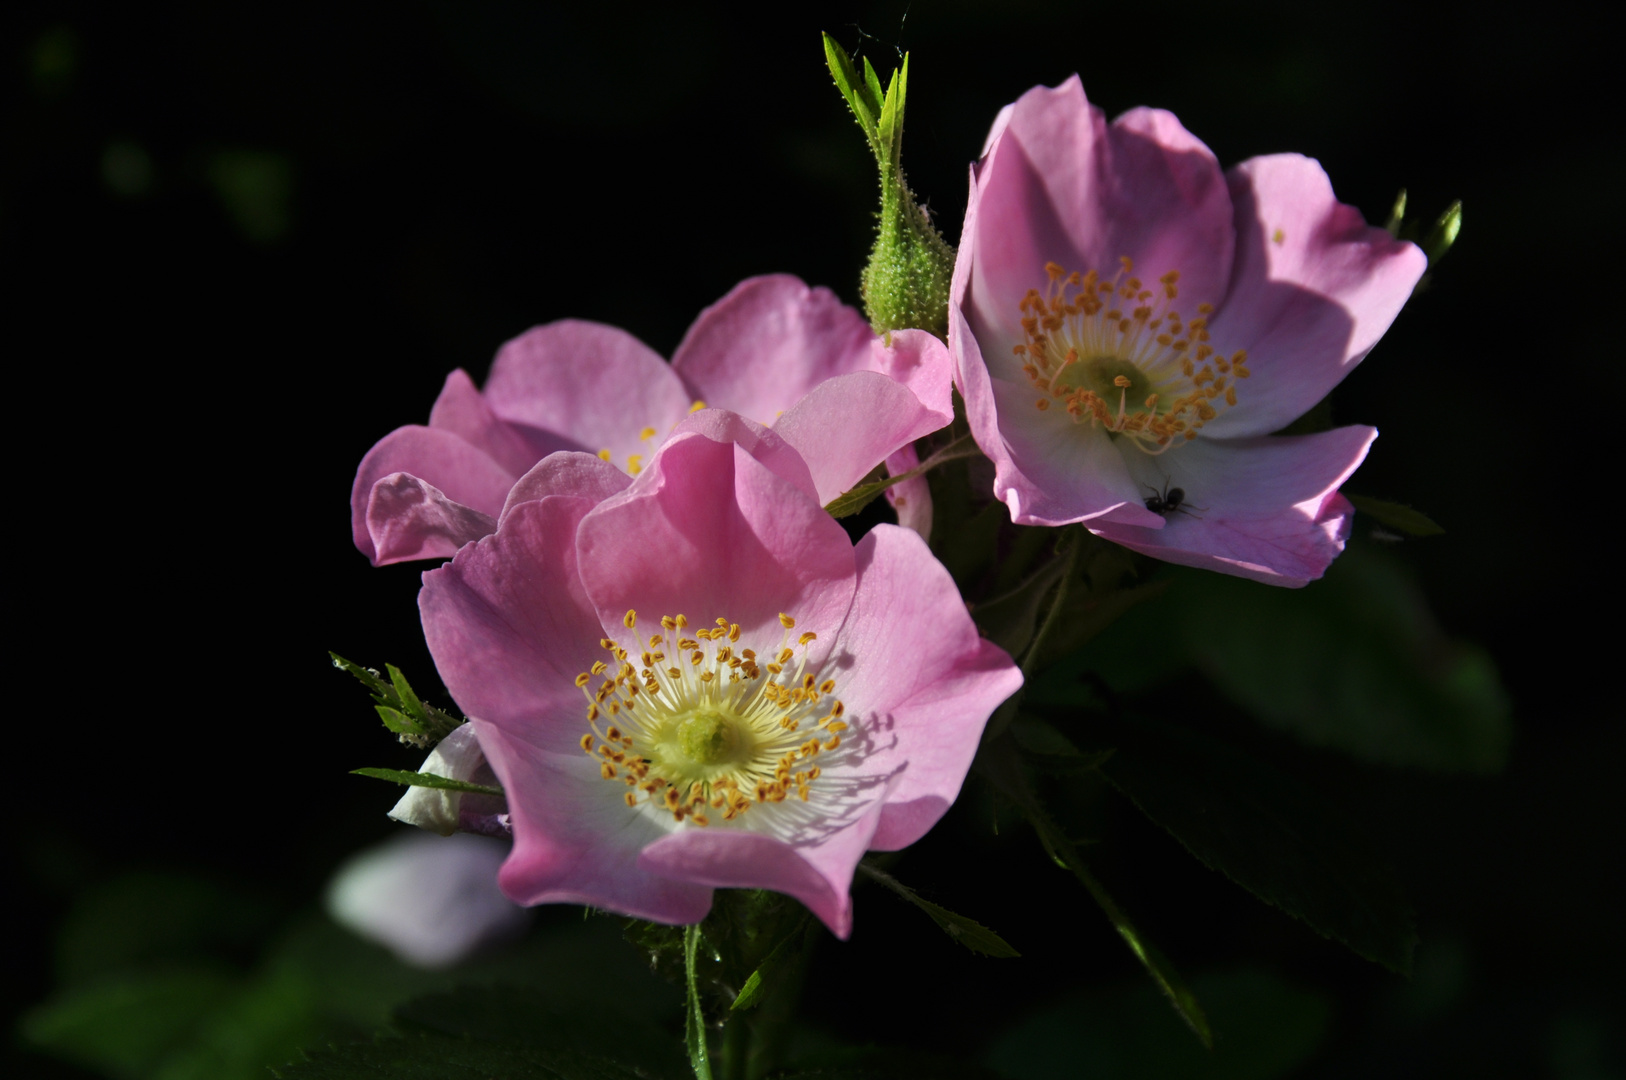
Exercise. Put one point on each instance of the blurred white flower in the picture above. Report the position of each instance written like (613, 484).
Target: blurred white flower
(431, 900)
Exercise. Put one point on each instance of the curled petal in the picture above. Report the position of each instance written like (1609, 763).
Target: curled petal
(457, 471)
(1265, 508)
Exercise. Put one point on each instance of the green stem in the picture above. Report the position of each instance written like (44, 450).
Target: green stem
(736, 1048)
(694, 1028)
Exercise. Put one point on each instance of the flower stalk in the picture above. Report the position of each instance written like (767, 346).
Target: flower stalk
(906, 283)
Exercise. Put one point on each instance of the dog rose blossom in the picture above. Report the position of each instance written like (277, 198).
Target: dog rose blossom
(1129, 325)
(774, 350)
(693, 679)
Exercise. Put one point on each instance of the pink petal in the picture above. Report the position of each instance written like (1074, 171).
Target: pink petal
(850, 424)
(921, 362)
(585, 476)
(706, 526)
(510, 626)
(762, 443)
(1307, 308)
(912, 499)
(410, 519)
(1265, 508)
(1061, 185)
(819, 874)
(594, 384)
(445, 461)
(1047, 469)
(575, 842)
(462, 410)
(921, 710)
(759, 349)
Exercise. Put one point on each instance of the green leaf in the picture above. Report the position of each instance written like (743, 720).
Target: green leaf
(1265, 1028)
(1397, 214)
(1268, 834)
(409, 700)
(1354, 662)
(1443, 234)
(694, 1021)
(428, 780)
(968, 932)
(427, 1055)
(126, 1025)
(862, 494)
(368, 678)
(415, 721)
(1049, 751)
(1010, 621)
(864, 102)
(397, 721)
(1396, 516)
(999, 762)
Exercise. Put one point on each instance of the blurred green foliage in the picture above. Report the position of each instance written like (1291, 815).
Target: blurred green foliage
(1264, 1027)
(1355, 662)
(159, 979)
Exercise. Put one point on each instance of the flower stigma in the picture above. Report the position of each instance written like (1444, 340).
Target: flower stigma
(696, 725)
(1118, 355)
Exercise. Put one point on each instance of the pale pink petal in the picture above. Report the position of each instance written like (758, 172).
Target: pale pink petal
(575, 841)
(912, 499)
(446, 462)
(710, 525)
(759, 349)
(762, 443)
(818, 874)
(1061, 185)
(462, 410)
(585, 476)
(917, 711)
(1313, 290)
(594, 384)
(850, 424)
(921, 362)
(1265, 508)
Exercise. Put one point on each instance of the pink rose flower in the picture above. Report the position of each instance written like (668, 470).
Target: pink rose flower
(1129, 325)
(773, 349)
(694, 679)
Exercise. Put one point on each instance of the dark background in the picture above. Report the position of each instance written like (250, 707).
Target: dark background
(244, 241)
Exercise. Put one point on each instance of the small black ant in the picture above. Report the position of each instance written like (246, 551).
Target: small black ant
(1171, 500)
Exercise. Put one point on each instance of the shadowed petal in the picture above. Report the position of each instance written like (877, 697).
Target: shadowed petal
(461, 409)
(761, 348)
(1314, 289)
(818, 875)
(585, 476)
(510, 625)
(410, 519)
(591, 383)
(575, 842)
(920, 710)
(912, 499)
(714, 524)
(1264, 508)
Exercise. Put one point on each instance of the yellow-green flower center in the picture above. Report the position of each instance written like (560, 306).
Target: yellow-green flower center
(710, 727)
(1116, 355)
